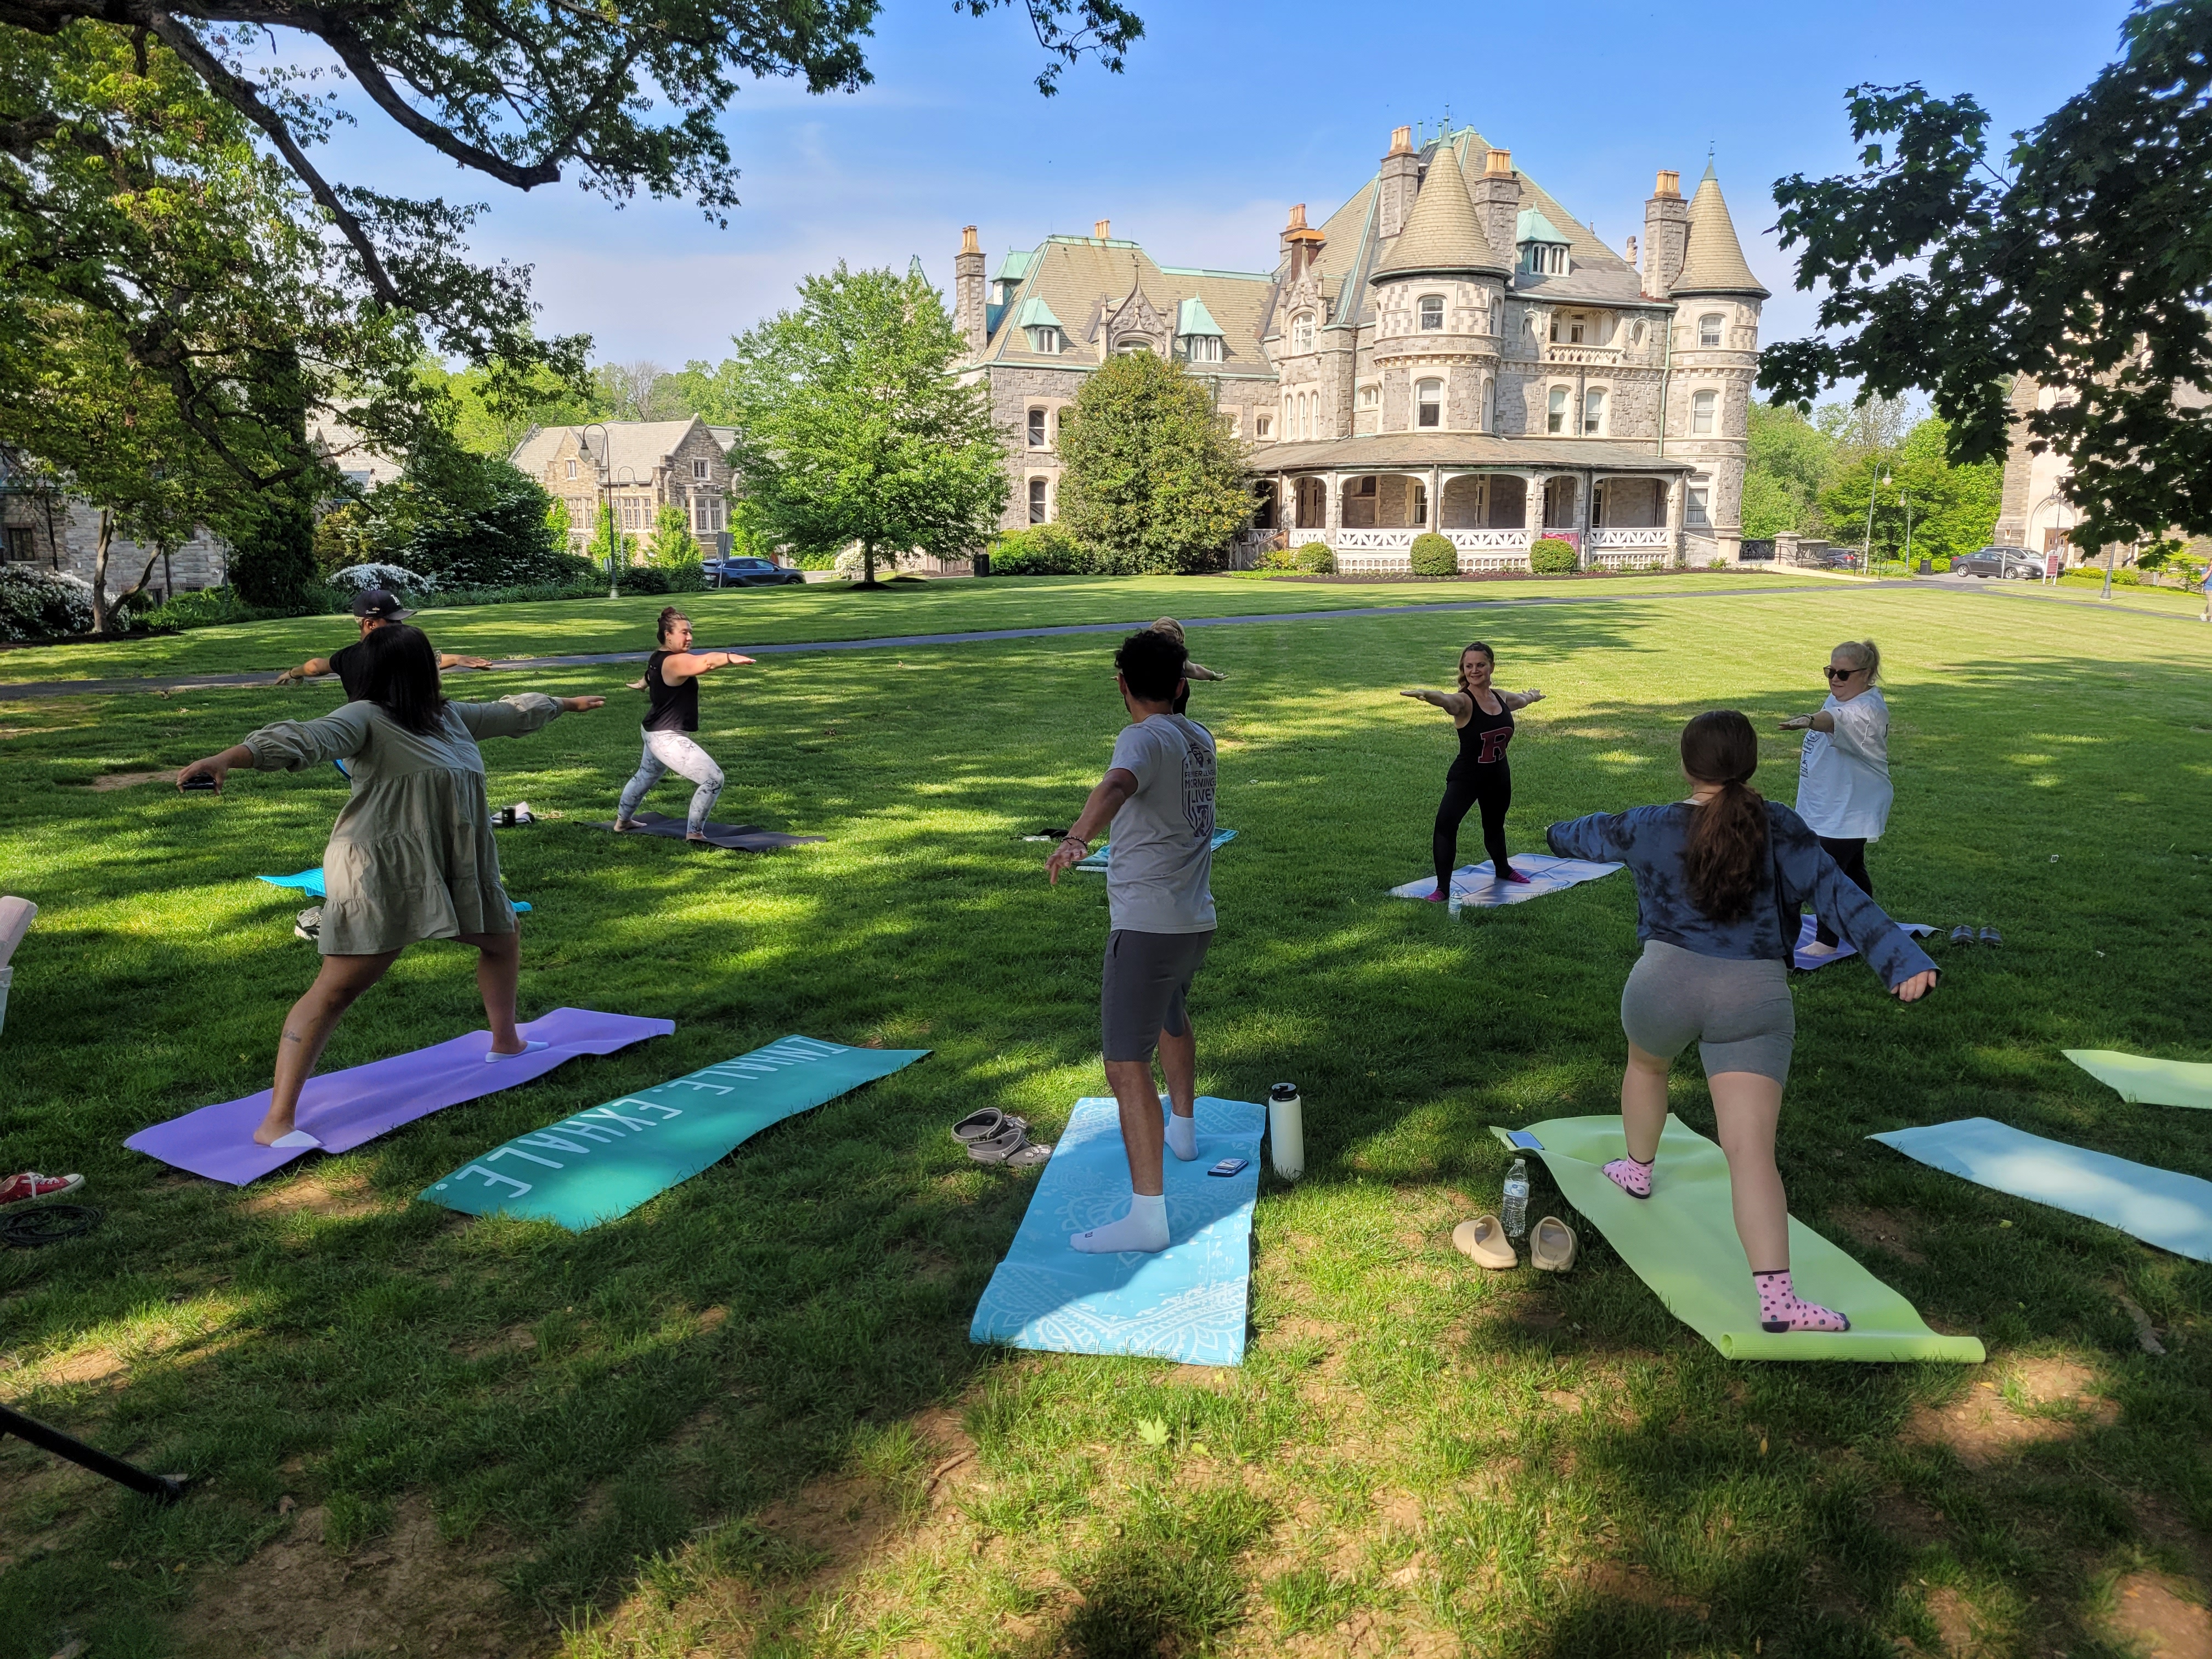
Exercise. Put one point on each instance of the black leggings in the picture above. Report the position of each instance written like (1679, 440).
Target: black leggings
(1850, 858)
(1492, 789)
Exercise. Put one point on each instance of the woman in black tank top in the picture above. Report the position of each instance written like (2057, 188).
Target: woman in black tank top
(1481, 775)
(672, 690)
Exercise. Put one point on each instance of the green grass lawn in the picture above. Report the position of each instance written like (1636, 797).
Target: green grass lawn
(747, 1419)
(779, 616)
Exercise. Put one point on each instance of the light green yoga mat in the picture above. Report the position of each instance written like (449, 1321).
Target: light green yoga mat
(1681, 1242)
(606, 1162)
(2146, 1082)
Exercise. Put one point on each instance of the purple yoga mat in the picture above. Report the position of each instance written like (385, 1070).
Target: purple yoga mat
(343, 1109)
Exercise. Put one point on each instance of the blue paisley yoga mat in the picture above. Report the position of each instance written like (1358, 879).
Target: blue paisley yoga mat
(2159, 1206)
(1099, 860)
(603, 1163)
(1187, 1302)
(310, 882)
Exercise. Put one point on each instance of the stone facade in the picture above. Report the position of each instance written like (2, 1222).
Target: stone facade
(637, 467)
(1450, 322)
(62, 532)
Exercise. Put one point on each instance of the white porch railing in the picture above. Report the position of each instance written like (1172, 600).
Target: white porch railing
(1622, 539)
(1300, 536)
(1375, 541)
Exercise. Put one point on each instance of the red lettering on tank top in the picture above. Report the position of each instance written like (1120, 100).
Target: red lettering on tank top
(1493, 746)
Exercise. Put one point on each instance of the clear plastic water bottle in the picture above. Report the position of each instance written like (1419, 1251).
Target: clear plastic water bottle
(1452, 902)
(1516, 1199)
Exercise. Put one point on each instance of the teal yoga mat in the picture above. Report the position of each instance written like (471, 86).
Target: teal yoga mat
(1099, 861)
(2143, 1081)
(310, 882)
(1187, 1303)
(603, 1163)
(2173, 1212)
(1681, 1242)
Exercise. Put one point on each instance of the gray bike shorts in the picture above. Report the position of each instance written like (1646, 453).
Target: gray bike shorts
(1141, 992)
(1739, 1013)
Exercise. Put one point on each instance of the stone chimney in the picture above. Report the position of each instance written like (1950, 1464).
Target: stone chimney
(968, 312)
(1402, 182)
(1104, 229)
(1666, 235)
(1497, 193)
(1301, 244)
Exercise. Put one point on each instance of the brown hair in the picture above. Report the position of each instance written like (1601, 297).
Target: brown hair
(1862, 653)
(1171, 628)
(1725, 861)
(1475, 645)
(669, 614)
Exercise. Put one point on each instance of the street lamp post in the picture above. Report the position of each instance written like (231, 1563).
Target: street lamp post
(600, 471)
(1907, 501)
(1881, 484)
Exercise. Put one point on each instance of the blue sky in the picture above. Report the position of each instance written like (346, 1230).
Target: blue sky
(1226, 116)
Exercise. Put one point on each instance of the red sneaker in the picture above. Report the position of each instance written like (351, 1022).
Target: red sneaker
(1440, 895)
(20, 1188)
(1517, 877)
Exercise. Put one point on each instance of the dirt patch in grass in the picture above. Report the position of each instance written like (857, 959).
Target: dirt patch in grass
(1982, 1427)
(334, 1198)
(1620, 1581)
(1909, 1519)
(108, 781)
(1953, 1620)
(2153, 1611)
(408, 1592)
(1878, 1230)
(515, 1339)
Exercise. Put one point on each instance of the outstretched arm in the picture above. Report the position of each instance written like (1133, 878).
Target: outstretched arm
(1823, 721)
(1198, 671)
(1116, 787)
(681, 665)
(1519, 699)
(1452, 703)
(447, 659)
(313, 669)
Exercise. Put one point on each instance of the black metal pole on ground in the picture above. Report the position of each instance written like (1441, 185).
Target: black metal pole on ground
(165, 1488)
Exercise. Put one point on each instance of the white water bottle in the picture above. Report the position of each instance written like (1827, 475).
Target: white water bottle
(1453, 903)
(1286, 1130)
(1516, 1199)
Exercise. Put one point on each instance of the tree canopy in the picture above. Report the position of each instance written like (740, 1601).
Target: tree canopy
(1815, 477)
(2085, 264)
(1151, 483)
(852, 429)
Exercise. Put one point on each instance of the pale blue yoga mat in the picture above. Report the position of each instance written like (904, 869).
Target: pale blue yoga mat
(1477, 883)
(2173, 1212)
(1187, 1302)
(1099, 860)
(310, 882)
(606, 1162)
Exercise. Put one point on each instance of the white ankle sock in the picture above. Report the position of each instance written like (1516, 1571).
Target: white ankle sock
(1182, 1136)
(1145, 1228)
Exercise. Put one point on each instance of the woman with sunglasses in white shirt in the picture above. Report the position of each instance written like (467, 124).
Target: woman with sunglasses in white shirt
(1843, 777)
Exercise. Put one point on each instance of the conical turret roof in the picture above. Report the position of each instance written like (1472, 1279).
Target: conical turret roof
(1442, 233)
(1713, 262)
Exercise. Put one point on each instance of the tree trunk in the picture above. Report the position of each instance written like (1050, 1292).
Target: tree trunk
(868, 563)
(100, 571)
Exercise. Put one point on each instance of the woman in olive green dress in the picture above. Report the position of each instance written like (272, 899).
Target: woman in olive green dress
(411, 856)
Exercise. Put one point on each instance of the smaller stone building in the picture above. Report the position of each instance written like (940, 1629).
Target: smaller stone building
(42, 525)
(637, 467)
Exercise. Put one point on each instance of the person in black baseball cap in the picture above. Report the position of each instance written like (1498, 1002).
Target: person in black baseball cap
(374, 608)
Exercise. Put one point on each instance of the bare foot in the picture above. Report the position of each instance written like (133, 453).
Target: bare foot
(623, 826)
(698, 840)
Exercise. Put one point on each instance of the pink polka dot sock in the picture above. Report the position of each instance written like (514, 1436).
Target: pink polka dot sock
(1781, 1309)
(1631, 1176)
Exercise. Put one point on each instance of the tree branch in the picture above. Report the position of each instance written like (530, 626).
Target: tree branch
(355, 56)
(180, 39)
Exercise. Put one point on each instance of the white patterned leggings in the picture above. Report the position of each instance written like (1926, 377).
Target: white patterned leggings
(672, 751)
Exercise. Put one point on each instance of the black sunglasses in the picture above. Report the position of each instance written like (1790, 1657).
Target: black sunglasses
(1835, 673)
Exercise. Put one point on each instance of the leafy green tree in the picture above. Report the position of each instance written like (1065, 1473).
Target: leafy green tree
(462, 519)
(852, 430)
(609, 548)
(1151, 481)
(1953, 508)
(492, 406)
(1789, 466)
(673, 544)
(2082, 260)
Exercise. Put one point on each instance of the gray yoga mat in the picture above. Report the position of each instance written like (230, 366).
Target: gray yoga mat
(737, 837)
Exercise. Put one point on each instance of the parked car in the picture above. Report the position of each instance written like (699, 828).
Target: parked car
(2011, 563)
(1836, 558)
(749, 572)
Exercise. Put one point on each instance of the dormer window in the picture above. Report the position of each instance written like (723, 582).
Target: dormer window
(1429, 403)
(1432, 312)
(1131, 348)
(1201, 348)
(1045, 340)
(1301, 331)
(1709, 329)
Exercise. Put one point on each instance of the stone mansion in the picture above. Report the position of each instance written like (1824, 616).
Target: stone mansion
(1450, 349)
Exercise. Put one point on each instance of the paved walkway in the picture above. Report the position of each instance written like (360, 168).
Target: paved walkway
(25, 689)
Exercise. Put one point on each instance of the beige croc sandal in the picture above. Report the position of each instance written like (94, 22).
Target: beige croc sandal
(1552, 1245)
(1484, 1239)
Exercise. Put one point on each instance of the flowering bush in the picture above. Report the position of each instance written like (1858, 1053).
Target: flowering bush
(360, 577)
(37, 604)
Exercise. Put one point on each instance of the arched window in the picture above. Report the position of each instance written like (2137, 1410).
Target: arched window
(1039, 504)
(1701, 407)
(1429, 403)
(1301, 331)
(1593, 412)
(1636, 334)
(1263, 425)
(1131, 348)
(1432, 312)
(1036, 428)
(1489, 404)
(1709, 329)
(1555, 414)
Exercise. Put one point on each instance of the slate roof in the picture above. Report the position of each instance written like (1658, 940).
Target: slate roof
(1075, 278)
(640, 445)
(1714, 263)
(1442, 233)
(1382, 451)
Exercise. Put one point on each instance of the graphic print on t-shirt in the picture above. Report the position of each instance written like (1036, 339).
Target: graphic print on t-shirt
(1493, 745)
(1197, 785)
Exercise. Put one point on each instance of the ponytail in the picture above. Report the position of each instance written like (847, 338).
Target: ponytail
(1725, 861)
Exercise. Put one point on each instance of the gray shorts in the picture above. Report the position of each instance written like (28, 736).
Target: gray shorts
(1141, 992)
(1739, 1012)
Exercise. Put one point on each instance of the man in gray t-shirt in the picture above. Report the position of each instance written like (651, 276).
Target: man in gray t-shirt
(1158, 795)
